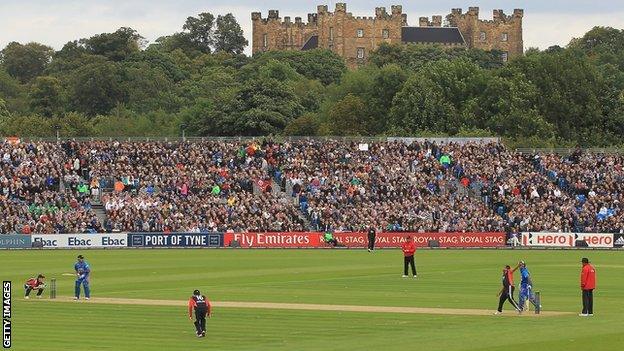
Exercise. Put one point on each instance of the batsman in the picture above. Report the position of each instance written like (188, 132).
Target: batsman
(526, 288)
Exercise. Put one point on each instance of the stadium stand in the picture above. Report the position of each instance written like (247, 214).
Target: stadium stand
(302, 185)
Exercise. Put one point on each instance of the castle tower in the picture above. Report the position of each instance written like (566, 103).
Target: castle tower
(503, 32)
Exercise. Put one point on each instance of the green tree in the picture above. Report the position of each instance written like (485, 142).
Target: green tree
(148, 88)
(349, 117)
(13, 93)
(21, 126)
(228, 36)
(323, 65)
(116, 46)
(96, 88)
(200, 31)
(4, 111)
(421, 105)
(306, 125)
(177, 41)
(46, 96)
(267, 106)
(25, 62)
(569, 89)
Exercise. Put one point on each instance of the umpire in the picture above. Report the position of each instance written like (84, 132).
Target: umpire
(201, 305)
(371, 238)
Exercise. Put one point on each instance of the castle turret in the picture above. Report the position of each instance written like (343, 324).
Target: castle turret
(436, 21)
(380, 12)
(273, 14)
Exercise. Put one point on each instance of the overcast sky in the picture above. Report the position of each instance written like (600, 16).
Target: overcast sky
(55, 22)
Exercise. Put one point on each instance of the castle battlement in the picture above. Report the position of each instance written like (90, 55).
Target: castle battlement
(354, 37)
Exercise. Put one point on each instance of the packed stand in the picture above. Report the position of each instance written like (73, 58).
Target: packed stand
(43, 191)
(50, 187)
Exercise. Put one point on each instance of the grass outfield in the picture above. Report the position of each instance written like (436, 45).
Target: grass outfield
(447, 279)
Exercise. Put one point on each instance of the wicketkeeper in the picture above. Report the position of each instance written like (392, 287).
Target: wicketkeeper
(83, 270)
(34, 284)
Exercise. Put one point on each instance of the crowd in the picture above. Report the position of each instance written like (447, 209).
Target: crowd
(50, 187)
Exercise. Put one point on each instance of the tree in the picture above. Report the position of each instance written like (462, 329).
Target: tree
(96, 88)
(200, 31)
(25, 62)
(415, 56)
(306, 125)
(386, 84)
(421, 105)
(116, 46)
(228, 36)
(178, 41)
(32, 125)
(349, 117)
(267, 106)
(148, 88)
(13, 93)
(323, 65)
(569, 89)
(4, 111)
(46, 96)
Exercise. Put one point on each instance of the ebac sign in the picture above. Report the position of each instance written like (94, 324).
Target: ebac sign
(81, 240)
(175, 240)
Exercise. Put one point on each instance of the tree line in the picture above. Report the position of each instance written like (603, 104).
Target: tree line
(199, 80)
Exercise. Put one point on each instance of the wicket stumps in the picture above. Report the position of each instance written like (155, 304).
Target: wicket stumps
(53, 288)
(538, 302)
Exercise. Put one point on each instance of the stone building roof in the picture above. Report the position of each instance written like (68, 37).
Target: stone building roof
(442, 35)
(312, 43)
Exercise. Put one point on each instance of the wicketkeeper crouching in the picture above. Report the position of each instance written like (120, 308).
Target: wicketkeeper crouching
(34, 284)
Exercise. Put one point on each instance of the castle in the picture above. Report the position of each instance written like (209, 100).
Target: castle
(353, 38)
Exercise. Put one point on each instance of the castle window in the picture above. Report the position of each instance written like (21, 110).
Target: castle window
(505, 56)
(360, 53)
(360, 33)
(385, 33)
(265, 40)
(482, 36)
(504, 37)
(331, 33)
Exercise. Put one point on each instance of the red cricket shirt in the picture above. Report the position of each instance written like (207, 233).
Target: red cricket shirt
(588, 277)
(408, 248)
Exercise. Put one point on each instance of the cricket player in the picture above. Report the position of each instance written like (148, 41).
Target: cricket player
(34, 284)
(507, 291)
(83, 270)
(201, 305)
(526, 287)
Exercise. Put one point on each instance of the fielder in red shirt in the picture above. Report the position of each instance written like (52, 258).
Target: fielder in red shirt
(588, 284)
(408, 248)
(201, 305)
(34, 284)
